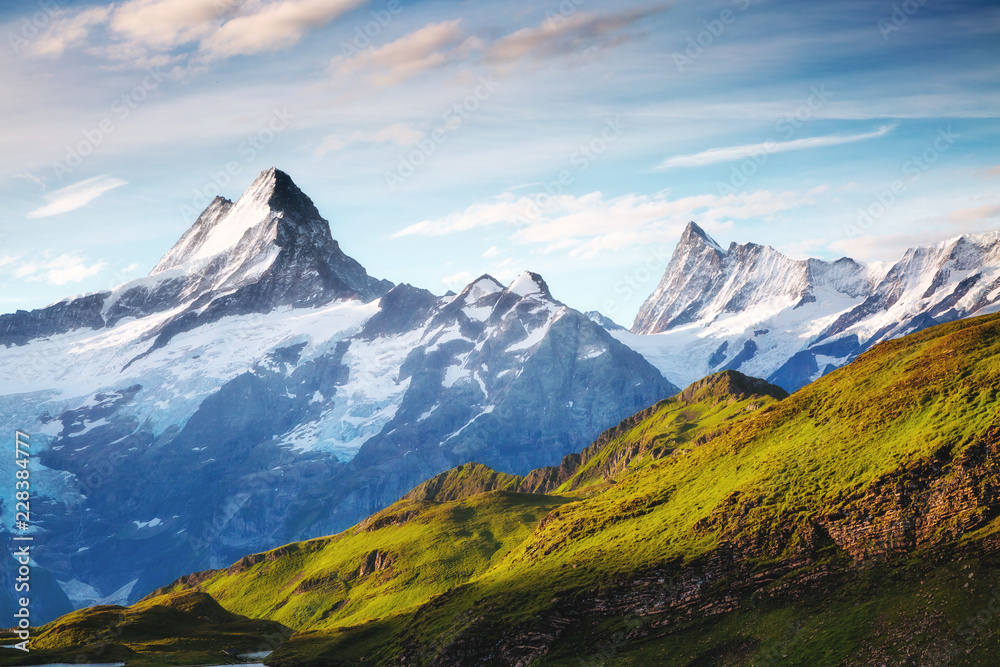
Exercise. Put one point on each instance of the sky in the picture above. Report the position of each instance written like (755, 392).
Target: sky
(447, 139)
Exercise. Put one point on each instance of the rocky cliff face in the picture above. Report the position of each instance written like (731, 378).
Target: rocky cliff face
(258, 387)
(752, 309)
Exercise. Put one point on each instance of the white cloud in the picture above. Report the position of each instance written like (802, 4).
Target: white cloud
(165, 24)
(28, 176)
(76, 196)
(430, 47)
(192, 33)
(882, 247)
(330, 144)
(274, 26)
(437, 45)
(400, 134)
(966, 215)
(68, 30)
(147, 33)
(731, 153)
(492, 251)
(589, 225)
(459, 279)
(66, 268)
(804, 249)
(560, 36)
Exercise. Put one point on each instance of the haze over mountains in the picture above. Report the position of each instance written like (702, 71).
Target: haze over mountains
(260, 387)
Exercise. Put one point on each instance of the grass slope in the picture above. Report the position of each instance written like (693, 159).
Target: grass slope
(394, 561)
(181, 628)
(852, 470)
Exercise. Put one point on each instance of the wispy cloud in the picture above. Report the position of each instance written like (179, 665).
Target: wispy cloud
(274, 26)
(150, 32)
(400, 134)
(430, 47)
(437, 45)
(589, 225)
(731, 153)
(76, 196)
(28, 176)
(61, 270)
(68, 29)
(574, 34)
(457, 279)
(885, 247)
(967, 215)
(165, 24)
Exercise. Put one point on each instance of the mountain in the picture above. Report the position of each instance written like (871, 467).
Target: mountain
(855, 522)
(259, 387)
(752, 309)
(271, 248)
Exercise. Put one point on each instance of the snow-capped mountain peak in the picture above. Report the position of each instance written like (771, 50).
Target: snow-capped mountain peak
(755, 310)
(694, 235)
(482, 286)
(233, 244)
(528, 284)
(271, 248)
(249, 222)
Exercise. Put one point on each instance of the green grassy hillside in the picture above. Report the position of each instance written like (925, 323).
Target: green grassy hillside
(392, 562)
(182, 628)
(854, 493)
(854, 523)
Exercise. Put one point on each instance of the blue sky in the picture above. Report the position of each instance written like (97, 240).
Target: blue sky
(456, 138)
